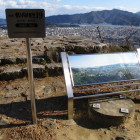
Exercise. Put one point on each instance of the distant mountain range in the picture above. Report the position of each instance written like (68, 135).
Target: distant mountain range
(138, 13)
(2, 21)
(109, 66)
(114, 17)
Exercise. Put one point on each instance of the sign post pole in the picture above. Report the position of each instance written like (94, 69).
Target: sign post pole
(27, 23)
(31, 82)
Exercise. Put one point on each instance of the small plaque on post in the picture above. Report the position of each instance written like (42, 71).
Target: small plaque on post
(124, 110)
(122, 97)
(97, 106)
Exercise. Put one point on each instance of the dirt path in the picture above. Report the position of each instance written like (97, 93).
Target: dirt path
(51, 103)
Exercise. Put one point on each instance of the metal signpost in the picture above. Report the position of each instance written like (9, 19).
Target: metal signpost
(27, 23)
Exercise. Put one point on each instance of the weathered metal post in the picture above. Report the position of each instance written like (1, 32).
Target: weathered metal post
(31, 81)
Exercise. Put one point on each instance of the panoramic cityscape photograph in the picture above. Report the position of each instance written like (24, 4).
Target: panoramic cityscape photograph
(100, 68)
(69, 70)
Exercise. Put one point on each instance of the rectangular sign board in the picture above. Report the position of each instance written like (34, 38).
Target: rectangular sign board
(104, 68)
(25, 23)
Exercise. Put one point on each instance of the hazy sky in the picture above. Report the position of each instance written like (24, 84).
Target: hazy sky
(82, 61)
(55, 7)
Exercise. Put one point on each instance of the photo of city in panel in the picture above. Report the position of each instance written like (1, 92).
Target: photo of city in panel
(102, 68)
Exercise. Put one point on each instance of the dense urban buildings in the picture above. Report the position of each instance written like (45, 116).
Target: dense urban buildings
(109, 34)
(118, 35)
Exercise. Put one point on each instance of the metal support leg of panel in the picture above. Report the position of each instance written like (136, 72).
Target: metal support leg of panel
(70, 108)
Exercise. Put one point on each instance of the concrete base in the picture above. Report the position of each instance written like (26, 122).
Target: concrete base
(69, 122)
(107, 111)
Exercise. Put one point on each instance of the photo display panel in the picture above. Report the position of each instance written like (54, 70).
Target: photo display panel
(104, 68)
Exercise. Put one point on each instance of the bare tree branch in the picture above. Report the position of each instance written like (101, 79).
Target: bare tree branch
(100, 36)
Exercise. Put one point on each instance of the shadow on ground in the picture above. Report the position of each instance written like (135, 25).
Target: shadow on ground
(54, 107)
